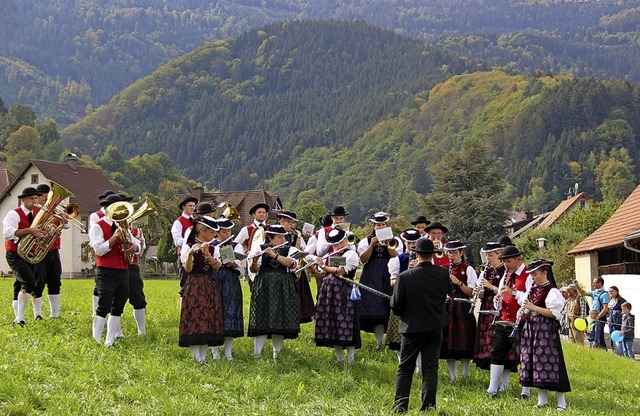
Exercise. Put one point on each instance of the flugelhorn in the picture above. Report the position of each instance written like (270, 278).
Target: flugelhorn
(123, 214)
(229, 211)
(49, 219)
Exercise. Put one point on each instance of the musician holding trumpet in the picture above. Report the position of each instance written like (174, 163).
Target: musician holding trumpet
(273, 311)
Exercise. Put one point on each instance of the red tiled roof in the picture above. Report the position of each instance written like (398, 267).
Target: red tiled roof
(611, 234)
(85, 182)
(6, 178)
(562, 208)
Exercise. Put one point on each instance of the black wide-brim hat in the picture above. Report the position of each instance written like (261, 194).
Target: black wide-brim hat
(287, 214)
(187, 200)
(209, 222)
(425, 246)
(491, 246)
(124, 197)
(410, 235)
(504, 240)
(325, 220)
(110, 199)
(510, 251)
(435, 225)
(276, 229)
(29, 192)
(225, 223)
(455, 245)
(339, 211)
(536, 264)
(336, 235)
(260, 205)
(379, 218)
(106, 194)
(44, 188)
(420, 219)
(204, 208)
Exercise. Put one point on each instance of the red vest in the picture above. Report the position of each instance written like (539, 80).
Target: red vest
(136, 233)
(251, 229)
(186, 224)
(115, 258)
(441, 261)
(510, 304)
(11, 245)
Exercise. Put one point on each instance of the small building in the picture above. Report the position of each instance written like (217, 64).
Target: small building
(241, 200)
(86, 183)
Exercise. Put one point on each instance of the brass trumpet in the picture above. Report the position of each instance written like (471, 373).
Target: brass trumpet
(351, 239)
(437, 244)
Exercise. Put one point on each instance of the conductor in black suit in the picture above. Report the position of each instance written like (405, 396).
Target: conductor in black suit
(419, 300)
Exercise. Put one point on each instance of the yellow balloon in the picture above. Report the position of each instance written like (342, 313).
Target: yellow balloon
(580, 324)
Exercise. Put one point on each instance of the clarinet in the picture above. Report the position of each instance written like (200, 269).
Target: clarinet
(519, 314)
(476, 294)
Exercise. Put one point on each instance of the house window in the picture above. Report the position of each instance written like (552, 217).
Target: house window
(583, 203)
(85, 221)
(34, 178)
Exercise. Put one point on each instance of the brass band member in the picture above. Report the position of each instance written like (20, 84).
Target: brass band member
(420, 223)
(273, 310)
(512, 291)
(338, 216)
(201, 308)
(179, 229)
(17, 224)
(227, 279)
(541, 358)
(93, 219)
(374, 309)
(289, 220)
(112, 274)
(259, 212)
(436, 231)
(458, 338)
(137, 298)
(337, 325)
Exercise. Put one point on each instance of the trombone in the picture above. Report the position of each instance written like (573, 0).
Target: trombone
(70, 212)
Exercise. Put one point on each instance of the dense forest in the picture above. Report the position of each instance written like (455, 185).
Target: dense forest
(66, 57)
(243, 108)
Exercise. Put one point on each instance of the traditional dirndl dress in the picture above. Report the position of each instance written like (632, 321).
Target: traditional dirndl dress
(228, 281)
(458, 337)
(201, 311)
(305, 298)
(541, 359)
(274, 308)
(336, 319)
(374, 309)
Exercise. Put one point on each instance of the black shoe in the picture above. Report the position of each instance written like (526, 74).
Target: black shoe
(524, 396)
(38, 318)
(21, 323)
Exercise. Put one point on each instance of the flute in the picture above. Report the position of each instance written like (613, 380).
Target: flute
(261, 252)
(225, 241)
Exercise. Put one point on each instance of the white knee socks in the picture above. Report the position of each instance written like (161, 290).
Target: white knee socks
(54, 306)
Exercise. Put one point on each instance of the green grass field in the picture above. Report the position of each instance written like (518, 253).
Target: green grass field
(54, 367)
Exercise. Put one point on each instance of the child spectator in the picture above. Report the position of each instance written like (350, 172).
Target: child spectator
(627, 330)
(591, 322)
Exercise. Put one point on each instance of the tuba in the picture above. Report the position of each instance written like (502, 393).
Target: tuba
(123, 214)
(229, 211)
(50, 220)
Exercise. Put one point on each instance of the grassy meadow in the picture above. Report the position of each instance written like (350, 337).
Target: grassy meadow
(54, 367)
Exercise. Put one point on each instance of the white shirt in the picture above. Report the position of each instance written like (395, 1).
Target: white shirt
(176, 232)
(244, 232)
(101, 246)
(363, 245)
(520, 296)
(555, 302)
(11, 223)
(94, 218)
(185, 250)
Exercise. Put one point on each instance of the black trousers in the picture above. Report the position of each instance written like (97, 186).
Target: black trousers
(427, 343)
(502, 344)
(25, 272)
(113, 290)
(136, 286)
(51, 271)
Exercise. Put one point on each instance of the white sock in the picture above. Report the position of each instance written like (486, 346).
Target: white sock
(195, 352)
(36, 303)
(94, 305)
(140, 315)
(54, 306)
(215, 353)
(398, 354)
(23, 299)
(339, 353)
(351, 354)
(97, 328)
(277, 344)
(258, 344)
(526, 391)
(419, 363)
(113, 324)
(228, 345)
(14, 305)
(465, 365)
(494, 378)
(378, 331)
(504, 380)
(542, 397)
(562, 401)
(451, 364)
(119, 333)
(203, 353)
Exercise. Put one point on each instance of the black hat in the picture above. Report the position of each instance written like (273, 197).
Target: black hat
(339, 211)
(336, 235)
(276, 229)
(260, 205)
(325, 220)
(110, 199)
(379, 217)
(510, 251)
(287, 214)
(44, 188)
(225, 223)
(124, 197)
(536, 264)
(204, 208)
(29, 192)
(106, 194)
(504, 240)
(455, 245)
(410, 234)
(491, 246)
(208, 222)
(187, 200)
(425, 246)
(420, 219)
(434, 225)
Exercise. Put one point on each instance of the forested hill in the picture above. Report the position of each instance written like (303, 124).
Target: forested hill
(243, 108)
(65, 56)
(546, 134)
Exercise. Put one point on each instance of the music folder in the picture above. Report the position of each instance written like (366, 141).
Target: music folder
(307, 230)
(384, 234)
(227, 255)
(298, 255)
(337, 261)
(344, 226)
